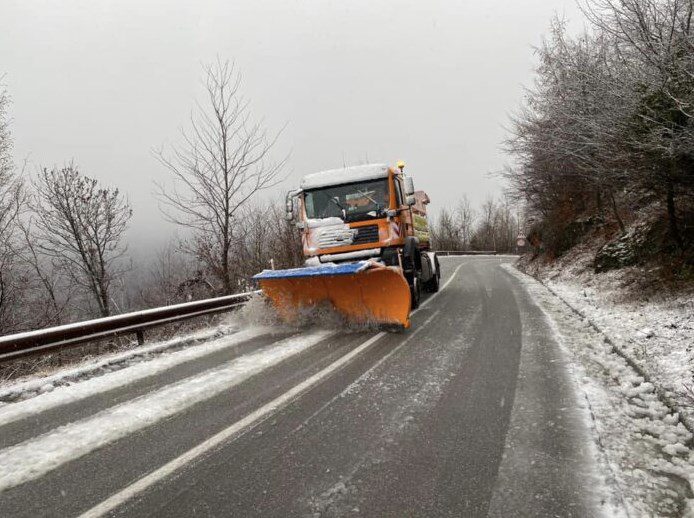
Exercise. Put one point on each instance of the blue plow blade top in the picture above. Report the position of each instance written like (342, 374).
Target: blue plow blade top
(315, 271)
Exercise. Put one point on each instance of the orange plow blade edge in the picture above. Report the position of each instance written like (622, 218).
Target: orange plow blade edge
(363, 291)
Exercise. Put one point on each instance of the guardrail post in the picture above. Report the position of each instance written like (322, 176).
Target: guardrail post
(140, 337)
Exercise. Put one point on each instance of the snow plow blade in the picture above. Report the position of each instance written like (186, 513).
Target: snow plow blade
(363, 291)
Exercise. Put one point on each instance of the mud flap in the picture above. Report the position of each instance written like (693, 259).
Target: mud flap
(363, 291)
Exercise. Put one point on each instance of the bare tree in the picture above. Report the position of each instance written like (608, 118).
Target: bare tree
(169, 277)
(496, 227)
(5, 136)
(223, 160)
(656, 39)
(81, 225)
(174, 277)
(267, 239)
(286, 249)
(445, 233)
(12, 198)
(608, 125)
(465, 217)
(485, 234)
(49, 292)
(452, 230)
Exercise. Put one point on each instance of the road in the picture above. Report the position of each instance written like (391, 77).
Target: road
(471, 412)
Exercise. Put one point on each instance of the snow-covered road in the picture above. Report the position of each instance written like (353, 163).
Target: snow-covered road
(490, 405)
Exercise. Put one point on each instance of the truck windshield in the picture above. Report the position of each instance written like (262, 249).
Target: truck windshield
(351, 202)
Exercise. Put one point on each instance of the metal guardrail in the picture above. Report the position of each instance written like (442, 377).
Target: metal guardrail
(52, 338)
(467, 252)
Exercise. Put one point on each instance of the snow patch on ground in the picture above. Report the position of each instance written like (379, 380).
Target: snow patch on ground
(644, 444)
(65, 388)
(35, 457)
(656, 332)
(28, 386)
(256, 317)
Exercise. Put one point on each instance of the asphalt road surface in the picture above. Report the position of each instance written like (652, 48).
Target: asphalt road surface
(471, 412)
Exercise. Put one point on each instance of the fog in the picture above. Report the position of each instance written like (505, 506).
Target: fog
(432, 83)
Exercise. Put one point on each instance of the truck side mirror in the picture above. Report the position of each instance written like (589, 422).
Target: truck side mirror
(409, 186)
(410, 200)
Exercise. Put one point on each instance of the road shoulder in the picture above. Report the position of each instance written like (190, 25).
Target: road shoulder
(550, 464)
(642, 447)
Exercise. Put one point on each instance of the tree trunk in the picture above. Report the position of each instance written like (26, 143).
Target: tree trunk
(226, 277)
(616, 213)
(672, 214)
(102, 296)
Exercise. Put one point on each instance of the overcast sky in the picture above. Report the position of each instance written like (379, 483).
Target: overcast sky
(429, 82)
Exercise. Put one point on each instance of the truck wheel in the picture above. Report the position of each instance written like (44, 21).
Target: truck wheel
(432, 285)
(415, 292)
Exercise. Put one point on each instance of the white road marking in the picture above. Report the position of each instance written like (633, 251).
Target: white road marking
(236, 429)
(35, 457)
(450, 279)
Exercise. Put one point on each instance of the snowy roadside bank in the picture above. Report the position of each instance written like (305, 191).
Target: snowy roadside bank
(655, 332)
(643, 444)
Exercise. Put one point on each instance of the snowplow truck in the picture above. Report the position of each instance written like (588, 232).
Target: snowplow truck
(365, 237)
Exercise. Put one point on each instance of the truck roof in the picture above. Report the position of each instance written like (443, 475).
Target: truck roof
(355, 173)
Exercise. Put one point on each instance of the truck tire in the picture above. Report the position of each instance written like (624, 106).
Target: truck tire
(432, 285)
(415, 292)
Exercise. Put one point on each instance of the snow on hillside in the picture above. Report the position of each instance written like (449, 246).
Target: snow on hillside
(654, 329)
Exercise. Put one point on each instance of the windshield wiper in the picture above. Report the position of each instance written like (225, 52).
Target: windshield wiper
(366, 195)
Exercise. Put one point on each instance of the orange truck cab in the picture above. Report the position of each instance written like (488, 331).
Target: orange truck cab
(365, 236)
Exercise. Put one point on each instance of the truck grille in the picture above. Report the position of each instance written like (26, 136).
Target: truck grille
(329, 237)
(368, 234)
